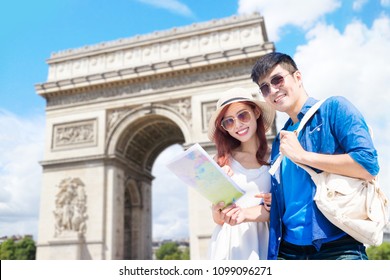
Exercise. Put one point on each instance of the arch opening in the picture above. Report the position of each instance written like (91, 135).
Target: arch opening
(169, 199)
(139, 145)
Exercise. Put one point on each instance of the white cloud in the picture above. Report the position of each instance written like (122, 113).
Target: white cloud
(173, 6)
(21, 148)
(169, 198)
(280, 13)
(385, 3)
(353, 63)
(358, 4)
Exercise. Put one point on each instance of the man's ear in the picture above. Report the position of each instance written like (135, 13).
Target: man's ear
(298, 76)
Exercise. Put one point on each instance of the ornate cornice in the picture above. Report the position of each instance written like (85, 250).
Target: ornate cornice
(196, 46)
(187, 78)
(158, 37)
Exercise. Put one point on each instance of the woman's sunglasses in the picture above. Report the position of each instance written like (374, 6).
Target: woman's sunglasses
(277, 81)
(230, 122)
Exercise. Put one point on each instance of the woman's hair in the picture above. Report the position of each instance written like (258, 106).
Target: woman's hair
(225, 143)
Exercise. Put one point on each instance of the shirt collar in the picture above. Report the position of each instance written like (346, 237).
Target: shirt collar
(308, 104)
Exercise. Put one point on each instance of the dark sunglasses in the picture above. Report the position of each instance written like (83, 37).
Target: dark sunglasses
(230, 122)
(277, 81)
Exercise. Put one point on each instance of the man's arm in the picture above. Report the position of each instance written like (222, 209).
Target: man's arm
(342, 164)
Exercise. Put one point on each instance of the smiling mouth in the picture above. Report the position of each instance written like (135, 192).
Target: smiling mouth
(242, 131)
(278, 98)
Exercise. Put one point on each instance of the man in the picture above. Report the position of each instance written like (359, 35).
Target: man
(336, 139)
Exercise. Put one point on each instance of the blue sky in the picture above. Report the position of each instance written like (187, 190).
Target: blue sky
(340, 46)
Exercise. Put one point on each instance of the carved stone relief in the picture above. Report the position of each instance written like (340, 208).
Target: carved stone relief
(181, 106)
(207, 110)
(114, 116)
(71, 207)
(73, 135)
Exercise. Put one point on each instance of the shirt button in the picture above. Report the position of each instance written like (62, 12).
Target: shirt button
(330, 194)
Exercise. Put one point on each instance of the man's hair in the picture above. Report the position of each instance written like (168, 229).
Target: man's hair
(267, 62)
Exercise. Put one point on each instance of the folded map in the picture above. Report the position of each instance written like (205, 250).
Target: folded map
(197, 169)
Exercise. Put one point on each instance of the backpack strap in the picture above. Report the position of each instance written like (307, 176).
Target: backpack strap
(306, 117)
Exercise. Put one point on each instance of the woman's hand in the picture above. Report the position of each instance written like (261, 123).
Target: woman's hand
(222, 214)
(238, 215)
(267, 199)
(228, 170)
(233, 215)
(216, 212)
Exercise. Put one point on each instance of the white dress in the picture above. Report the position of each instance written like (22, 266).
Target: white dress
(248, 240)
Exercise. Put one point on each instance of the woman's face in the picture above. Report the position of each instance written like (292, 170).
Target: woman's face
(240, 121)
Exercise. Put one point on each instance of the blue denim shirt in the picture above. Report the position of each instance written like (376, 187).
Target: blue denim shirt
(336, 128)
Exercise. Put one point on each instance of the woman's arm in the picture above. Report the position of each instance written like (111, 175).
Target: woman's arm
(240, 215)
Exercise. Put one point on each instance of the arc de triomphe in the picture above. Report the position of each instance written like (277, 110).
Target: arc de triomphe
(112, 108)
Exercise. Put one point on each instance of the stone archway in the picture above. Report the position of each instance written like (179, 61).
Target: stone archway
(139, 136)
(111, 109)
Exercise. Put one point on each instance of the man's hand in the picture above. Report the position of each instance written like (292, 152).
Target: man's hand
(290, 146)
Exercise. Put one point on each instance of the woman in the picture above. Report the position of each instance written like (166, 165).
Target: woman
(238, 128)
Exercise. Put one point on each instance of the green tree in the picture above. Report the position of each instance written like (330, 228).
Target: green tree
(186, 254)
(171, 251)
(23, 249)
(381, 252)
(7, 251)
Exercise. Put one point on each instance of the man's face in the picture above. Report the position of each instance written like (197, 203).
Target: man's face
(280, 88)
